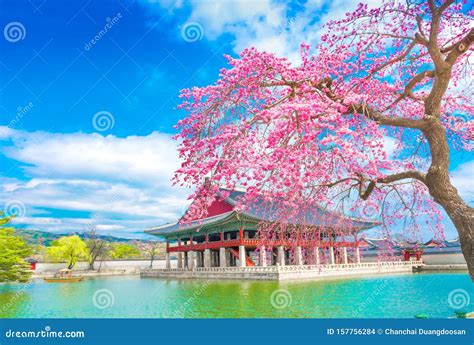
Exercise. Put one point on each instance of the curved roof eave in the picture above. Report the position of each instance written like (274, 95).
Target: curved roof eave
(176, 228)
(198, 224)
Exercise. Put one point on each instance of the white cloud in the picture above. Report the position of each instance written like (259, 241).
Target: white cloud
(390, 145)
(461, 178)
(122, 183)
(142, 160)
(274, 26)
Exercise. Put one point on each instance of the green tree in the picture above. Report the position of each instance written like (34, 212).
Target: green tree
(123, 251)
(69, 249)
(13, 251)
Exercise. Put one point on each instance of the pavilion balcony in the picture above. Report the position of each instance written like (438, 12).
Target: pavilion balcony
(254, 243)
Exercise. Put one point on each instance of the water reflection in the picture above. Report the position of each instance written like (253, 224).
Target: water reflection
(13, 299)
(383, 296)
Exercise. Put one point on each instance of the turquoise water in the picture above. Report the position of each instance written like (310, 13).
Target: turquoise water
(371, 297)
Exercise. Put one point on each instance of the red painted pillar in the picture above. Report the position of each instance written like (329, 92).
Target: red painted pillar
(191, 240)
(406, 255)
(241, 235)
(222, 236)
(418, 255)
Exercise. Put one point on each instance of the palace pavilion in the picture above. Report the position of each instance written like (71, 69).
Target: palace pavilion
(229, 238)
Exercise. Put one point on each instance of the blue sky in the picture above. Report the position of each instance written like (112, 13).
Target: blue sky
(122, 62)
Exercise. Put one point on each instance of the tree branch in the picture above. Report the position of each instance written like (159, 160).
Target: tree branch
(461, 47)
(432, 45)
(372, 114)
(409, 174)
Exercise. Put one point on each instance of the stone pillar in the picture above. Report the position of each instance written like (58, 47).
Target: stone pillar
(168, 262)
(281, 256)
(316, 256)
(228, 255)
(197, 259)
(192, 260)
(262, 260)
(213, 258)
(331, 255)
(222, 257)
(344, 255)
(298, 256)
(242, 258)
(180, 260)
(185, 260)
(207, 258)
(357, 255)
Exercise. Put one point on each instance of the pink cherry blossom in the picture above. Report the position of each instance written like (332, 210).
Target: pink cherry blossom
(316, 134)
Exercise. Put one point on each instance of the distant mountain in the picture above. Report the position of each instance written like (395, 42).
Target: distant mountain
(45, 238)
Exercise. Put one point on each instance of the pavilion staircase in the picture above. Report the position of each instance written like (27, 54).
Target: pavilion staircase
(235, 254)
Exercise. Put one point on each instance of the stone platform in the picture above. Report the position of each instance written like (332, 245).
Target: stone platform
(282, 273)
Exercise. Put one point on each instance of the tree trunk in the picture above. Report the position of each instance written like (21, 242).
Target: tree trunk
(460, 213)
(92, 262)
(151, 260)
(445, 194)
(463, 218)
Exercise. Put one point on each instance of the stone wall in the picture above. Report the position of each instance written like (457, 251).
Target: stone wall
(119, 266)
(290, 272)
(430, 259)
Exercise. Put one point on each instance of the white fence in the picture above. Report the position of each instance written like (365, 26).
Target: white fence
(300, 268)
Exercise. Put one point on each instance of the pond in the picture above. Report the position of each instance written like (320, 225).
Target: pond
(388, 296)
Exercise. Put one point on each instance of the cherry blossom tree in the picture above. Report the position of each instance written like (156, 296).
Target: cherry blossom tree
(396, 76)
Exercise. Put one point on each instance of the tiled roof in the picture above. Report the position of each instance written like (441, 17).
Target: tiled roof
(268, 211)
